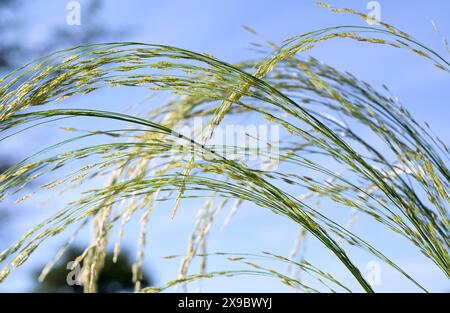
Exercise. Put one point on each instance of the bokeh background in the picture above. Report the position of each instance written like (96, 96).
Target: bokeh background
(29, 29)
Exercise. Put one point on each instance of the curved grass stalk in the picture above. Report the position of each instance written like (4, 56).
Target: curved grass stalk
(294, 93)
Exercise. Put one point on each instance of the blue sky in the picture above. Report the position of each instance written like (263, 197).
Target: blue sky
(215, 27)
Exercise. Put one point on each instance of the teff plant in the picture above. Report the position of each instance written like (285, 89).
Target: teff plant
(403, 185)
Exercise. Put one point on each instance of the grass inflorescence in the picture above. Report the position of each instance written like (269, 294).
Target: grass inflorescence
(148, 162)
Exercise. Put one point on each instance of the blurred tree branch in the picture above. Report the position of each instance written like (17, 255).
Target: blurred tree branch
(13, 48)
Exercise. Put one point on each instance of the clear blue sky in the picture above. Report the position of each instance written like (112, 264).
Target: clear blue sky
(215, 27)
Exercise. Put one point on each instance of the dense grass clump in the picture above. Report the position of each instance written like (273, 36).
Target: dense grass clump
(403, 185)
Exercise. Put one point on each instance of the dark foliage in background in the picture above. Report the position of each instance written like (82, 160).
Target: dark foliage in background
(115, 277)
